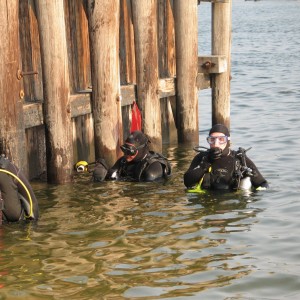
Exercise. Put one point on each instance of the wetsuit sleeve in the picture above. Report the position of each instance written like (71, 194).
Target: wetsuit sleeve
(257, 179)
(100, 170)
(23, 192)
(9, 192)
(153, 171)
(196, 171)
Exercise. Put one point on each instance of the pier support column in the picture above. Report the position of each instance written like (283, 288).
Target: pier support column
(186, 41)
(57, 113)
(12, 132)
(221, 45)
(145, 33)
(104, 19)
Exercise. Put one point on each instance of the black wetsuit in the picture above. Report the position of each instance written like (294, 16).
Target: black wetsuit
(14, 199)
(223, 173)
(151, 167)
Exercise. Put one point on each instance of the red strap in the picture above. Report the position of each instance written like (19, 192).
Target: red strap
(136, 123)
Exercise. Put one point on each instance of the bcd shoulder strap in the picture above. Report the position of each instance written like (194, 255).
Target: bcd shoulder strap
(153, 157)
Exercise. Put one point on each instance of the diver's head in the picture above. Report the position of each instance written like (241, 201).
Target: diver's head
(219, 141)
(136, 146)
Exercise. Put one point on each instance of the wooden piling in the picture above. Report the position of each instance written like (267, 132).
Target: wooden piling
(127, 53)
(221, 45)
(186, 40)
(145, 30)
(72, 109)
(167, 68)
(12, 132)
(104, 19)
(57, 118)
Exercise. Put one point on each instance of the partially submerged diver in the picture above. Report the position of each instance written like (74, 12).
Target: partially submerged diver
(220, 168)
(17, 199)
(138, 163)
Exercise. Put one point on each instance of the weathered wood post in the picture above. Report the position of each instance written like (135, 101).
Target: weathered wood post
(186, 41)
(127, 54)
(12, 132)
(221, 45)
(167, 67)
(104, 19)
(57, 117)
(146, 51)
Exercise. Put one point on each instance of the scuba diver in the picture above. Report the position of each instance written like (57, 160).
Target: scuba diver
(137, 164)
(220, 168)
(17, 199)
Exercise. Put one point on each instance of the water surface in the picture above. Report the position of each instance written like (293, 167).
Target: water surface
(120, 240)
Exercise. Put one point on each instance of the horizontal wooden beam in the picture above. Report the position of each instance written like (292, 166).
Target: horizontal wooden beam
(33, 114)
(213, 64)
(81, 102)
(166, 87)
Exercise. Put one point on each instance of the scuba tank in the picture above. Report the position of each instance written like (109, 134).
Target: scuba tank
(245, 173)
(245, 183)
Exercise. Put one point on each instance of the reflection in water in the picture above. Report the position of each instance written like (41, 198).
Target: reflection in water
(122, 238)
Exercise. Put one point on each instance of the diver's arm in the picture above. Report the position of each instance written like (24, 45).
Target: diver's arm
(196, 170)
(257, 180)
(12, 206)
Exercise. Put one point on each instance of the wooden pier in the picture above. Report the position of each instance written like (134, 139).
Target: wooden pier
(71, 70)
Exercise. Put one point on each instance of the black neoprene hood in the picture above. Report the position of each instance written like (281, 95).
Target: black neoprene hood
(219, 128)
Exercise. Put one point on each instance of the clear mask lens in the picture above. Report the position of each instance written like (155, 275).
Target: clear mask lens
(221, 139)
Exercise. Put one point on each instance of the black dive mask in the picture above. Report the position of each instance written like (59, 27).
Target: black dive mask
(131, 150)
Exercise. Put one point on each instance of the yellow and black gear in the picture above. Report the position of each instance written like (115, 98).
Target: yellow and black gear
(81, 166)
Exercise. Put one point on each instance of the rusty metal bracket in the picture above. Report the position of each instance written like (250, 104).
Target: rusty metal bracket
(208, 65)
(21, 74)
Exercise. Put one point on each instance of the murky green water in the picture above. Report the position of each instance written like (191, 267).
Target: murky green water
(125, 240)
(121, 240)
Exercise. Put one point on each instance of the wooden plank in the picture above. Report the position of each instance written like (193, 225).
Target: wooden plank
(128, 94)
(203, 81)
(81, 103)
(78, 42)
(127, 53)
(213, 64)
(166, 39)
(166, 87)
(33, 114)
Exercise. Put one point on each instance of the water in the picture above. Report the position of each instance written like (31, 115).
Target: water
(152, 241)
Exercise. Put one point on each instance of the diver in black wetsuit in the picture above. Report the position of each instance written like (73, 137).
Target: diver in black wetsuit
(137, 164)
(220, 168)
(17, 199)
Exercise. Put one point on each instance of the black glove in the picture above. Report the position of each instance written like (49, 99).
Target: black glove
(100, 170)
(205, 163)
(113, 174)
(214, 154)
